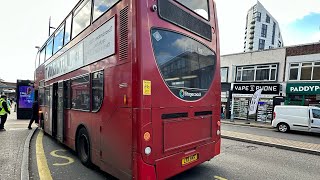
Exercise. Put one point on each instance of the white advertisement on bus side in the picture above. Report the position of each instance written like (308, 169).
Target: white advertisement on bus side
(98, 45)
(101, 43)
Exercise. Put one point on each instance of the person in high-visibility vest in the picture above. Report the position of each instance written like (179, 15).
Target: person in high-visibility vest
(5, 110)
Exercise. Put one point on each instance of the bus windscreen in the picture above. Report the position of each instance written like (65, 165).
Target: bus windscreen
(198, 6)
(186, 65)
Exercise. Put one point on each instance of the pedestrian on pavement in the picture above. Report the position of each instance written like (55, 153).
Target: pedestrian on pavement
(222, 113)
(35, 113)
(5, 110)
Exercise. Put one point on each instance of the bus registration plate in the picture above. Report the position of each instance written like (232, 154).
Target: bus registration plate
(190, 159)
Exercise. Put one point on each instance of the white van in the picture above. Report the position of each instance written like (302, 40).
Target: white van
(300, 118)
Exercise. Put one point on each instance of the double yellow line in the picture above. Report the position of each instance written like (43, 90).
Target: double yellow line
(43, 169)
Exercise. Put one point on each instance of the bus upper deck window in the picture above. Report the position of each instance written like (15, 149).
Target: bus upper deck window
(200, 7)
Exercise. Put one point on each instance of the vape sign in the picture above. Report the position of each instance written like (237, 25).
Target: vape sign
(252, 88)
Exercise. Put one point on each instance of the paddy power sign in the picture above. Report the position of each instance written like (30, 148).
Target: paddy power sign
(303, 88)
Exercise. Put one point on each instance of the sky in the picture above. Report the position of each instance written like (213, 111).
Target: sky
(24, 25)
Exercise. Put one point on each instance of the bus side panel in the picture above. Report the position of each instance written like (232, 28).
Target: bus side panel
(116, 126)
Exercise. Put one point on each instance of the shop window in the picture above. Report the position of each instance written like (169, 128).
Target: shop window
(80, 93)
(97, 90)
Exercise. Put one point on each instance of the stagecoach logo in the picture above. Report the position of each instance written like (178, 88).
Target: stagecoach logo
(184, 93)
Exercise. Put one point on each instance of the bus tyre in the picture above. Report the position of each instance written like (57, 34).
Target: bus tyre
(83, 147)
(283, 127)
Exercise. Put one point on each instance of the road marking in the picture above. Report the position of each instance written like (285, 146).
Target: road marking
(70, 160)
(219, 178)
(43, 169)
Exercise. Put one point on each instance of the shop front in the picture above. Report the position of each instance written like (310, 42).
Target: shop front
(303, 94)
(242, 94)
(225, 99)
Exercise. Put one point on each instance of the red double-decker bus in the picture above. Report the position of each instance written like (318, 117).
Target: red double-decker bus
(133, 86)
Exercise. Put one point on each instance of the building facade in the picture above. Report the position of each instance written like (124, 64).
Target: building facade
(262, 30)
(303, 75)
(248, 72)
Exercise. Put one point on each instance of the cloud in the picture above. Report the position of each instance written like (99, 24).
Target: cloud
(232, 19)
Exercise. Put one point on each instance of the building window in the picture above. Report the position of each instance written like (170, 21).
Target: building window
(306, 71)
(294, 70)
(261, 44)
(257, 73)
(224, 74)
(267, 18)
(259, 16)
(270, 47)
(264, 30)
(80, 93)
(279, 44)
(273, 32)
(316, 71)
(97, 90)
(248, 73)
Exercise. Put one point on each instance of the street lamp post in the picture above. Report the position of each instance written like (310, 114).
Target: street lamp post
(50, 27)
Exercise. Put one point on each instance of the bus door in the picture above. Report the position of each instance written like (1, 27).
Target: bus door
(60, 112)
(53, 108)
(50, 102)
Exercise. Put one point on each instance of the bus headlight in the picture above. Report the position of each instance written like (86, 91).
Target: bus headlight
(147, 150)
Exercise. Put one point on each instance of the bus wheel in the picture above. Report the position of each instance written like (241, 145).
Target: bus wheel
(83, 147)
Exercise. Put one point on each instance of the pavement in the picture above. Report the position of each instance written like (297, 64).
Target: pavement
(14, 149)
(298, 146)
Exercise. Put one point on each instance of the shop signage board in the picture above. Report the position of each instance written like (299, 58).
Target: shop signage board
(252, 88)
(303, 88)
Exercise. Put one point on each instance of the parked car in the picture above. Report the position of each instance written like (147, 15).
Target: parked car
(300, 118)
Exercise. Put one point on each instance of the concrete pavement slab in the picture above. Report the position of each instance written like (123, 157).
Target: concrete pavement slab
(243, 123)
(273, 142)
(12, 148)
